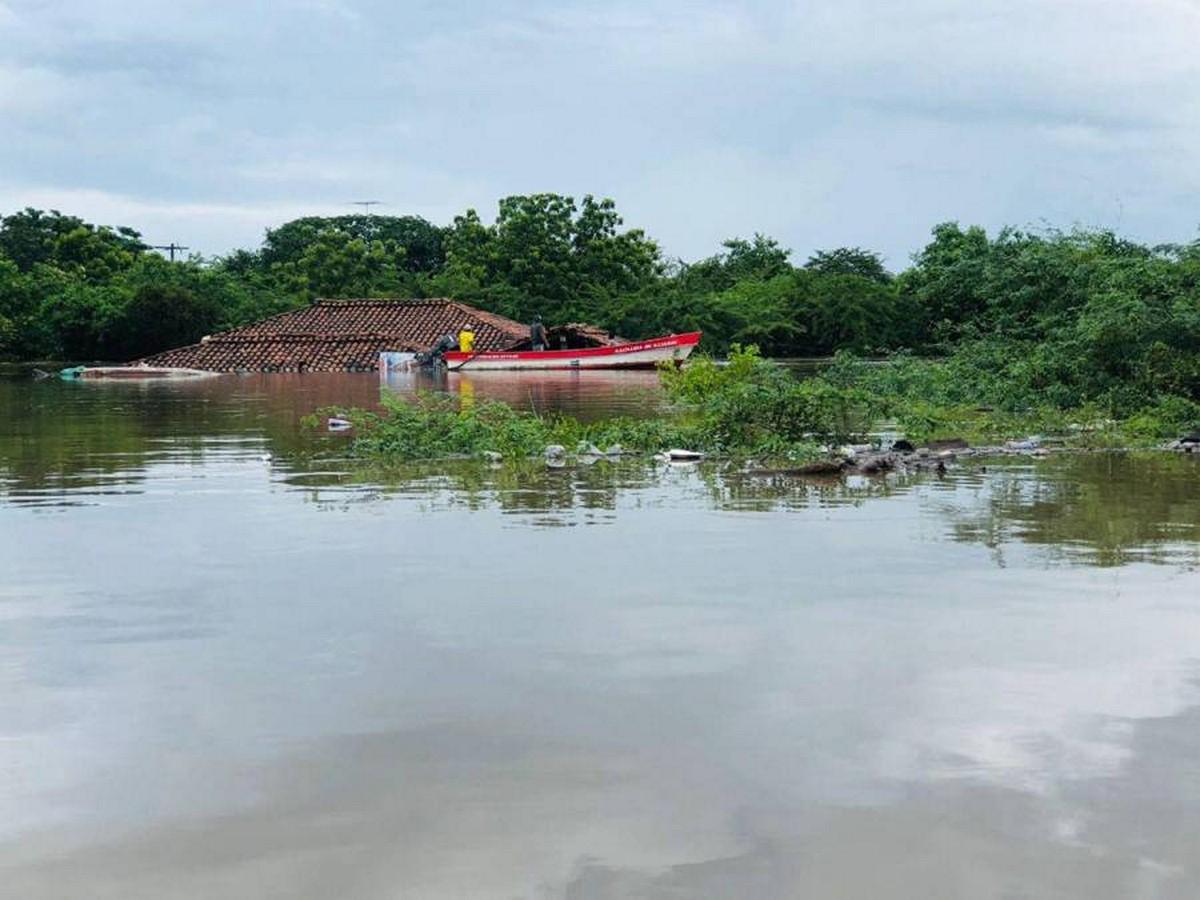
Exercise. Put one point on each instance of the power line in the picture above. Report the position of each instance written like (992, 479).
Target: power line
(171, 248)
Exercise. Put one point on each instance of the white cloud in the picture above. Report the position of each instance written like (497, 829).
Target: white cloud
(331, 8)
(26, 89)
(204, 227)
(861, 121)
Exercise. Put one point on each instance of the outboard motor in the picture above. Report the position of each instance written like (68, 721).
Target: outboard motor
(436, 357)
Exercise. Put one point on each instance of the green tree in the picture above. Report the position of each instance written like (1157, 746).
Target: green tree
(850, 261)
(946, 281)
(77, 320)
(759, 259)
(160, 317)
(420, 245)
(849, 312)
(31, 237)
(337, 264)
(546, 255)
(15, 307)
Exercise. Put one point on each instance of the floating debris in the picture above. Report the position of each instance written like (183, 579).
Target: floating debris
(1030, 443)
(948, 444)
(1189, 443)
(818, 468)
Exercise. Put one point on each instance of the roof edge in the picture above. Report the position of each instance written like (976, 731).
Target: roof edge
(382, 301)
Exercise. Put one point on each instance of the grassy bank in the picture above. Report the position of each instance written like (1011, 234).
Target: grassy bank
(752, 408)
(988, 393)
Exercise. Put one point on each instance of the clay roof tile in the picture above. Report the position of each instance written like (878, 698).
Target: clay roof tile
(340, 335)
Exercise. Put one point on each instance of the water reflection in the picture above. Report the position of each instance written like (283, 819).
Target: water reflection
(584, 395)
(1105, 509)
(226, 675)
(67, 445)
(71, 443)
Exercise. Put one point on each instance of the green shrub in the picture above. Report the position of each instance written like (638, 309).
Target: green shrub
(1170, 417)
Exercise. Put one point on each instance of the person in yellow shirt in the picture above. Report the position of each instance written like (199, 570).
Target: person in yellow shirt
(466, 339)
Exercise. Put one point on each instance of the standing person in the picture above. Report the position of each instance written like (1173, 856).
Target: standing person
(537, 334)
(466, 339)
(444, 345)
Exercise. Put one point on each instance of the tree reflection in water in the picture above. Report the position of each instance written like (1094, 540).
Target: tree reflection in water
(1102, 509)
(69, 444)
(1105, 509)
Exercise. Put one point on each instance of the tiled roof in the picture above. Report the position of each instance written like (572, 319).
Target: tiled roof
(340, 335)
(585, 334)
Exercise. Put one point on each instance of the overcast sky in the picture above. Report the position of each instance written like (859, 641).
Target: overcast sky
(820, 123)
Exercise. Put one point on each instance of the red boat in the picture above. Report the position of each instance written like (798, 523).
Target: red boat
(633, 355)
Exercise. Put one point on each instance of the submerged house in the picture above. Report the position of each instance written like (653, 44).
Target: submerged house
(348, 336)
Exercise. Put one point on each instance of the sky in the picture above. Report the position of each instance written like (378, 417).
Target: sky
(822, 124)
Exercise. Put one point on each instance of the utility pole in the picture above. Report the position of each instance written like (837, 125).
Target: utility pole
(171, 248)
(366, 205)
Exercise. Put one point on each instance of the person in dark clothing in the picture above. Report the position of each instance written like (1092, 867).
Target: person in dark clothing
(537, 334)
(445, 344)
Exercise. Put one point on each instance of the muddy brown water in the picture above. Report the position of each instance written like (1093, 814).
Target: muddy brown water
(228, 669)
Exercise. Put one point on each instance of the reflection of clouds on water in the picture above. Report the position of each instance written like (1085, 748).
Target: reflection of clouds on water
(1043, 692)
(299, 679)
(485, 812)
(1033, 728)
(656, 642)
(475, 811)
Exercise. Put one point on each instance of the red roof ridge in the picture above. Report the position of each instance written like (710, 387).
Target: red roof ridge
(383, 301)
(210, 337)
(300, 337)
(494, 319)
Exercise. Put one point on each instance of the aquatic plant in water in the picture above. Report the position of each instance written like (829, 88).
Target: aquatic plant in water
(752, 407)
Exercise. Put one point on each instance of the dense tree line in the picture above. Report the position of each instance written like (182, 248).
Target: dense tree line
(1065, 316)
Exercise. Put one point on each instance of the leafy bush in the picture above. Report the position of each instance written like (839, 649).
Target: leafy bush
(704, 376)
(749, 407)
(436, 426)
(1170, 417)
(750, 403)
(433, 426)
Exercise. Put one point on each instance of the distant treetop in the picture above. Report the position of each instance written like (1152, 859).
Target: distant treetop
(850, 261)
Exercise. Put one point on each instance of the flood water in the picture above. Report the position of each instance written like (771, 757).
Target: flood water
(231, 668)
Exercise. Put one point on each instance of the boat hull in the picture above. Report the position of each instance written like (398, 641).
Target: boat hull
(634, 355)
(132, 373)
